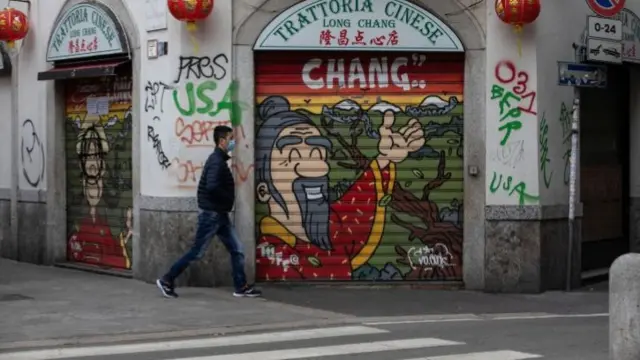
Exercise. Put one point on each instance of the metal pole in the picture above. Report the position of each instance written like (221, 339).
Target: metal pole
(573, 160)
(15, 150)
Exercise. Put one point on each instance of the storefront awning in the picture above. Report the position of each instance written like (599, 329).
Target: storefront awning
(81, 71)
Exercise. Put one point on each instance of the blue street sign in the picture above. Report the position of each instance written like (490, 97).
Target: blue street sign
(581, 75)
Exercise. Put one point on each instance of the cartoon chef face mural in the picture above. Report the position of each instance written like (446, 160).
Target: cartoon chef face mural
(306, 234)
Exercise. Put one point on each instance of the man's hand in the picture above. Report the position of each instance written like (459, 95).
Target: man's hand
(396, 146)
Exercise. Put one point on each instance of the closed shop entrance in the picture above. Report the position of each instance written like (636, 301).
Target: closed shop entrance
(91, 58)
(98, 152)
(359, 165)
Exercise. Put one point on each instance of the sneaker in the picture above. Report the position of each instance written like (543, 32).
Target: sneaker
(248, 291)
(167, 290)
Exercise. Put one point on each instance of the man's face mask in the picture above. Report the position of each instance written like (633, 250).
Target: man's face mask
(231, 145)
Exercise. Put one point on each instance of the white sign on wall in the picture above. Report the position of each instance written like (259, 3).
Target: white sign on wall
(604, 28)
(85, 30)
(156, 15)
(604, 51)
(358, 25)
(630, 36)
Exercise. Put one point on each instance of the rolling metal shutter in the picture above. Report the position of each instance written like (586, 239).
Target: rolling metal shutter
(98, 150)
(339, 196)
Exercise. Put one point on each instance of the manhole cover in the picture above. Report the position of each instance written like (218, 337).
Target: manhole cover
(14, 297)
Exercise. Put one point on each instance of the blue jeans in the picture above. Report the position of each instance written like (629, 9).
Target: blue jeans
(210, 224)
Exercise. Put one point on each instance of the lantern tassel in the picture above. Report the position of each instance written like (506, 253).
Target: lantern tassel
(518, 31)
(11, 44)
(192, 27)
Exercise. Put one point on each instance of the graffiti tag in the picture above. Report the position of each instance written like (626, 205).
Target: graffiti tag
(430, 257)
(155, 95)
(511, 154)
(520, 188)
(198, 132)
(157, 145)
(544, 151)
(202, 67)
(32, 154)
(507, 74)
(186, 172)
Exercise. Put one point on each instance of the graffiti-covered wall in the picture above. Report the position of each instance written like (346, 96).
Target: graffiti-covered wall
(186, 95)
(32, 135)
(512, 116)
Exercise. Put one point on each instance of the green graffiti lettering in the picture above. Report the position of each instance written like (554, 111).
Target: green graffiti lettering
(190, 97)
(507, 110)
(508, 127)
(505, 104)
(523, 197)
(497, 92)
(201, 93)
(506, 186)
(520, 189)
(201, 101)
(544, 151)
(494, 187)
(513, 113)
(565, 122)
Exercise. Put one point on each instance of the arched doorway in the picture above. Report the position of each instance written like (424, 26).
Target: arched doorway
(91, 54)
(359, 144)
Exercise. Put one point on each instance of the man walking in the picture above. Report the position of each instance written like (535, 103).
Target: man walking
(216, 194)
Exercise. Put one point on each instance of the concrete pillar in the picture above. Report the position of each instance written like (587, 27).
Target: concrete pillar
(624, 308)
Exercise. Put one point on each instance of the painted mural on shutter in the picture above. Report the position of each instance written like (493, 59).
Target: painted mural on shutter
(359, 169)
(98, 150)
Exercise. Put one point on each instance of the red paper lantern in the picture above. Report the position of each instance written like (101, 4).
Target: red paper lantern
(190, 11)
(518, 12)
(14, 26)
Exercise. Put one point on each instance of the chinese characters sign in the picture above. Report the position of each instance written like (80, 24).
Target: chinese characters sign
(85, 30)
(358, 25)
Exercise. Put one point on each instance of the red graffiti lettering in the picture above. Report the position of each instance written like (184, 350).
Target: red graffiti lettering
(198, 133)
(505, 65)
(242, 171)
(507, 73)
(186, 172)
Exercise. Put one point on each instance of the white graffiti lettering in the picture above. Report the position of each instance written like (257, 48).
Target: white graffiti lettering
(278, 258)
(437, 256)
(352, 74)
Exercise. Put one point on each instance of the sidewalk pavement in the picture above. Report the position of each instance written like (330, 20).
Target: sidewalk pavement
(46, 306)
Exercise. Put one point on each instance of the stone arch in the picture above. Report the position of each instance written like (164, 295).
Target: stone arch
(122, 13)
(257, 14)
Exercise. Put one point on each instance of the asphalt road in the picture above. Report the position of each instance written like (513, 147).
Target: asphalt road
(494, 337)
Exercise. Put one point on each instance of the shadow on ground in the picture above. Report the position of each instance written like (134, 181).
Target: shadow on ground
(400, 301)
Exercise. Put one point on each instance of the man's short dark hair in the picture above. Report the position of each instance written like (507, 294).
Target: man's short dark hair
(221, 132)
